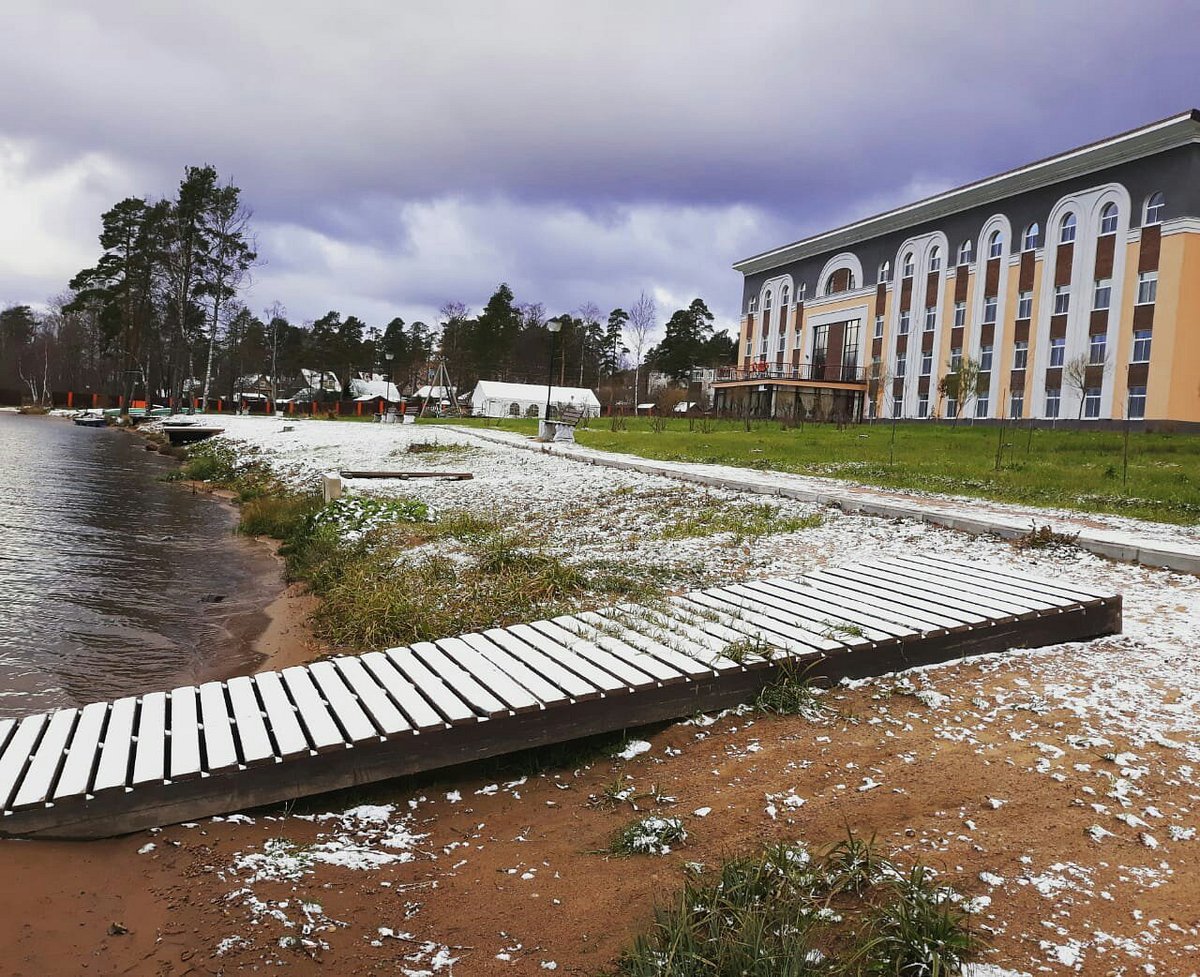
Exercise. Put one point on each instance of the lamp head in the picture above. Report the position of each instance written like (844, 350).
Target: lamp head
(554, 325)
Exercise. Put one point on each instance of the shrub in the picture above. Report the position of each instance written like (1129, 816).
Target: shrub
(652, 835)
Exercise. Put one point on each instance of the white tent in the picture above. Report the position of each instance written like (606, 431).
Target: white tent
(492, 398)
(374, 390)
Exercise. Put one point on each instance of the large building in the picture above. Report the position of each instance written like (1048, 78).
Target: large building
(1069, 288)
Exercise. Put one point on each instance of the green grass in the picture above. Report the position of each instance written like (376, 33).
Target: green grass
(742, 522)
(784, 913)
(1051, 468)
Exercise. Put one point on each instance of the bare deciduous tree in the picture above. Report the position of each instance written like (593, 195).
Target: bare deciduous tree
(643, 318)
(1077, 374)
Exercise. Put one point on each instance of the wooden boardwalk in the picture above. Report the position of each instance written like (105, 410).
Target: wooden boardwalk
(114, 767)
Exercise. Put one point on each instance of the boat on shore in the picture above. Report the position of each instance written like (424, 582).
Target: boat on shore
(90, 419)
(189, 432)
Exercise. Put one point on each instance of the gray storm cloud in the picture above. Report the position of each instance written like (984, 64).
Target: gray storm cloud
(399, 155)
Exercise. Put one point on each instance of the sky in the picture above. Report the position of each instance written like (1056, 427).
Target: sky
(400, 155)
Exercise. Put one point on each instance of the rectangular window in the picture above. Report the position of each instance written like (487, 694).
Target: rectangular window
(797, 341)
(955, 359)
(1016, 404)
(803, 292)
(762, 347)
(989, 310)
(749, 347)
(1025, 305)
(1147, 288)
(927, 363)
(1053, 399)
(951, 407)
(752, 305)
(1062, 299)
(1141, 346)
(850, 350)
(1097, 349)
(930, 317)
(820, 351)
(923, 405)
(871, 410)
(1091, 402)
(981, 407)
(1058, 351)
(985, 359)
(901, 365)
(1137, 403)
(904, 320)
(1020, 355)
(897, 406)
(1102, 294)
(782, 348)
(960, 314)
(879, 327)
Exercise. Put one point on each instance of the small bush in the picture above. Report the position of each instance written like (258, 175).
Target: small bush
(790, 693)
(278, 516)
(1043, 537)
(652, 835)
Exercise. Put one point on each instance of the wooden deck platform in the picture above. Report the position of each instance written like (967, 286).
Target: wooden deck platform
(115, 767)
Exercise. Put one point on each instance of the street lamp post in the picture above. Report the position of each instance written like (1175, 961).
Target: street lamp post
(387, 379)
(553, 325)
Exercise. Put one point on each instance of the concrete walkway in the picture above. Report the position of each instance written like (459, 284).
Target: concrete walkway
(1115, 537)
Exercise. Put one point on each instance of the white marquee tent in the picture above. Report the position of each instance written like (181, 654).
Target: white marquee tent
(492, 398)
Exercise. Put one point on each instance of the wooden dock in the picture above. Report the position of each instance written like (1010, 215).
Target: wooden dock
(114, 767)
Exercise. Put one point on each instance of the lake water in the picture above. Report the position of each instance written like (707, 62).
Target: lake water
(111, 581)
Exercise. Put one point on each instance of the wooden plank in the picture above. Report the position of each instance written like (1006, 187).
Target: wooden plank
(930, 603)
(1021, 601)
(83, 753)
(47, 761)
(322, 731)
(185, 735)
(290, 739)
(6, 728)
(1052, 591)
(115, 754)
(452, 707)
(839, 609)
(437, 661)
(955, 596)
(220, 753)
(514, 695)
(904, 611)
(248, 723)
(703, 619)
(419, 713)
(669, 620)
(567, 631)
(545, 691)
(773, 614)
(560, 654)
(16, 755)
(648, 637)
(374, 699)
(737, 616)
(150, 748)
(899, 582)
(600, 633)
(354, 721)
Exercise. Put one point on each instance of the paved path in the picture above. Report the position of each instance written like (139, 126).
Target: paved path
(1115, 537)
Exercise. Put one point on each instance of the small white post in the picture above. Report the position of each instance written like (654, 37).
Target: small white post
(331, 486)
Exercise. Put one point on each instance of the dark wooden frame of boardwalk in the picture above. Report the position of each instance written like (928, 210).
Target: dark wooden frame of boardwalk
(356, 728)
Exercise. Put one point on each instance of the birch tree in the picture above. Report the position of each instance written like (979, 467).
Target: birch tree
(643, 318)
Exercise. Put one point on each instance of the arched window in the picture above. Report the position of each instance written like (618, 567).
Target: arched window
(783, 296)
(909, 265)
(850, 282)
(803, 293)
(1066, 230)
(1154, 208)
(885, 272)
(1108, 219)
(935, 259)
(767, 301)
(514, 409)
(1030, 241)
(964, 252)
(995, 245)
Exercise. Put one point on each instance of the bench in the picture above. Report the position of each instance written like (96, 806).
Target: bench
(563, 427)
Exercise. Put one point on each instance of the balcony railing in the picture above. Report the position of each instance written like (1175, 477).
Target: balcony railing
(763, 371)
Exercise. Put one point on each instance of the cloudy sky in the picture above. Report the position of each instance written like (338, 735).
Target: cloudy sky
(397, 155)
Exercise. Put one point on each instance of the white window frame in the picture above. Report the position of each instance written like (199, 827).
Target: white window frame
(897, 406)
(996, 245)
(1147, 290)
(960, 314)
(1139, 412)
(1016, 404)
(955, 359)
(910, 266)
(885, 273)
(749, 347)
(1091, 403)
(879, 326)
(1102, 291)
(802, 293)
(981, 406)
(1058, 351)
(1053, 401)
(923, 405)
(905, 322)
(930, 318)
(990, 305)
(1143, 340)
(1110, 216)
(1154, 208)
(1020, 355)
(1067, 228)
(782, 346)
(1025, 305)
(901, 365)
(926, 362)
(935, 259)
(1029, 240)
(987, 355)
(1097, 349)
(966, 251)
(1062, 300)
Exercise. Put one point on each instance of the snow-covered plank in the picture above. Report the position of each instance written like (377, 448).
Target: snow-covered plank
(83, 753)
(453, 708)
(150, 752)
(354, 721)
(650, 639)
(559, 654)
(670, 619)
(113, 768)
(281, 715)
(220, 753)
(47, 760)
(761, 617)
(705, 620)
(185, 734)
(481, 699)
(499, 683)
(374, 699)
(248, 723)
(983, 585)
(861, 596)
(838, 613)
(959, 598)
(545, 691)
(400, 689)
(6, 728)
(15, 758)
(567, 631)
(608, 635)
(314, 716)
(1053, 591)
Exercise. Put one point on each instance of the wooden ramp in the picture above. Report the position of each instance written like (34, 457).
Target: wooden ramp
(163, 757)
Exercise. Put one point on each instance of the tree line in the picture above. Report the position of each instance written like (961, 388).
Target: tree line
(161, 316)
